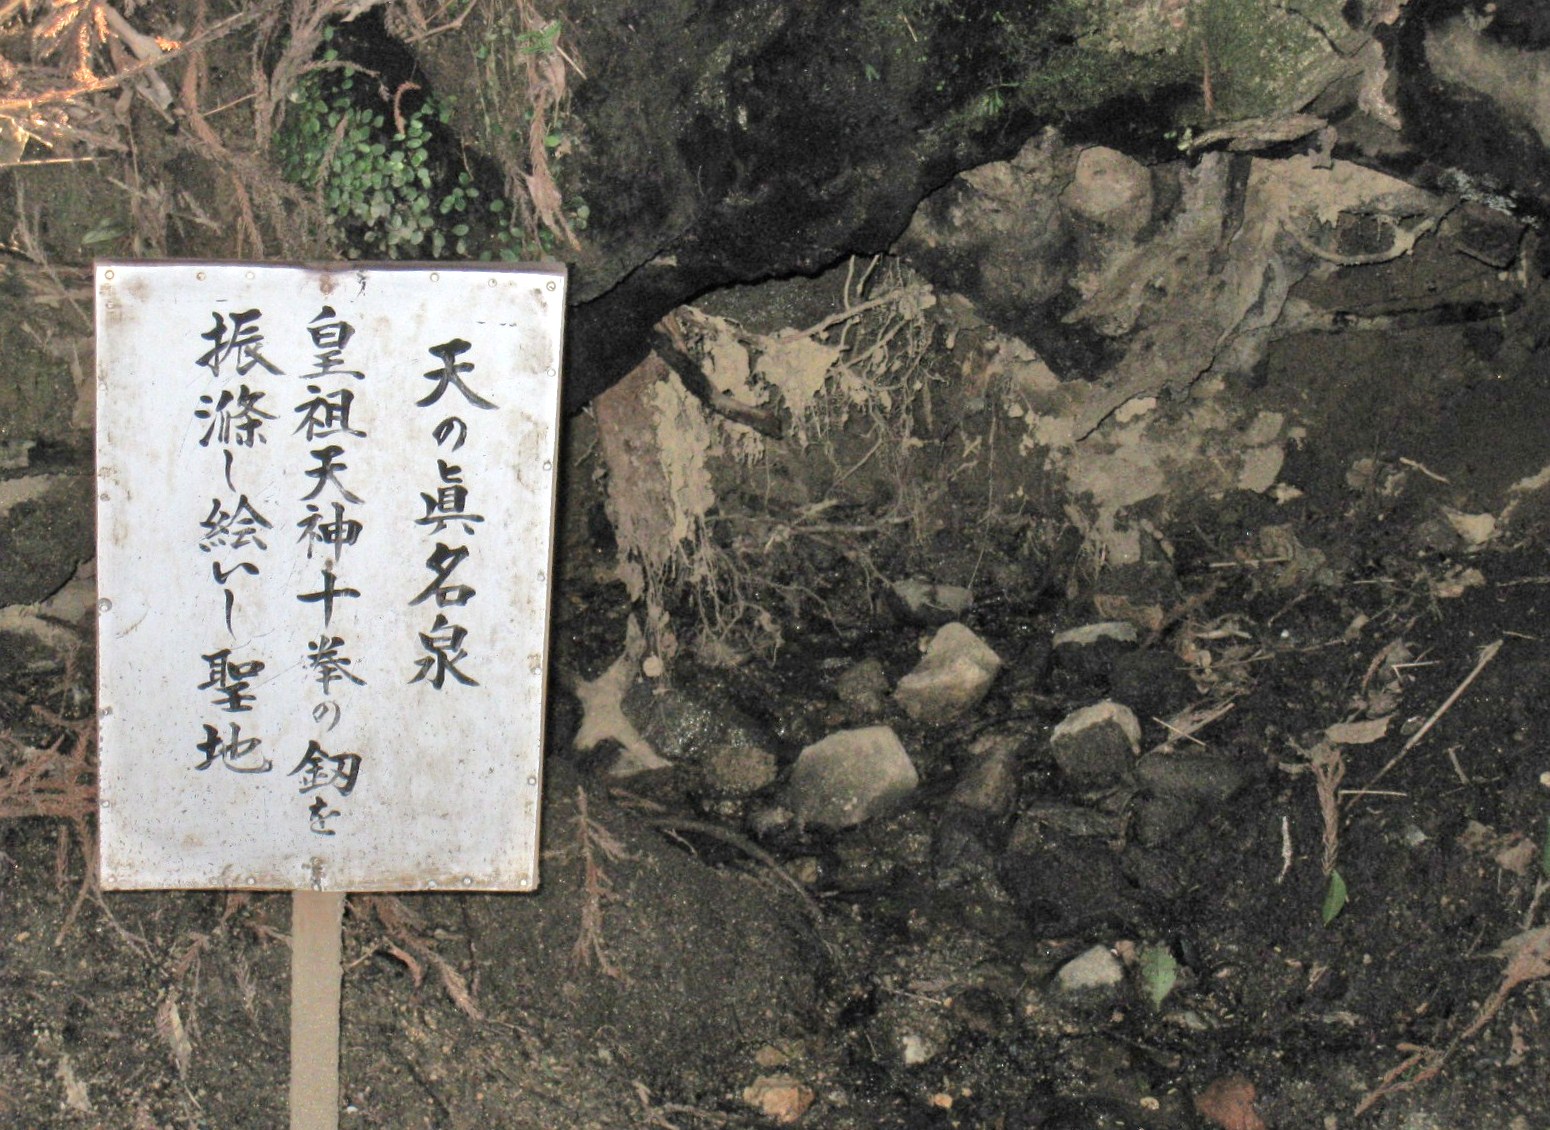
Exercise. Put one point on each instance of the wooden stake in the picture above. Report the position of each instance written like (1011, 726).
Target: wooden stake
(316, 918)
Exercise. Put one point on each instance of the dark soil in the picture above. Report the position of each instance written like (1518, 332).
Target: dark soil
(902, 974)
(169, 1010)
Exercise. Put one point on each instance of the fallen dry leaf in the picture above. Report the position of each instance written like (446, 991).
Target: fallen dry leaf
(1358, 733)
(169, 1026)
(1229, 1103)
(1519, 856)
(1528, 957)
(1147, 617)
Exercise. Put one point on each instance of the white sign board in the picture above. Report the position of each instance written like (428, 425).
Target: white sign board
(325, 513)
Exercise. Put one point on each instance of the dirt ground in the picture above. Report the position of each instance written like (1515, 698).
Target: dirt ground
(909, 983)
(1322, 904)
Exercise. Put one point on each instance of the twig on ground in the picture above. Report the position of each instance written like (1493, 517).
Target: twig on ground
(21, 105)
(744, 845)
(1328, 763)
(1186, 724)
(58, 782)
(422, 26)
(595, 844)
(1287, 854)
(1487, 653)
(1528, 960)
(1425, 470)
(1541, 888)
(402, 927)
(656, 1113)
(1419, 1066)
(1458, 770)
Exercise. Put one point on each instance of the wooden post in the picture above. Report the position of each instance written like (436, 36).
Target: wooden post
(316, 921)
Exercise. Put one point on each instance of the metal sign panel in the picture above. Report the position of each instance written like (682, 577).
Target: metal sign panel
(325, 513)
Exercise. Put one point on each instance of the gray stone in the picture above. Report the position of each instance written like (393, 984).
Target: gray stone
(933, 603)
(1110, 189)
(849, 777)
(954, 676)
(1192, 776)
(1121, 631)
(1094, 970)
(989, 785)
(1097, 744)
(46, 525)
(1153, 683)
(1090, 651)
(737, 770)
(863, 688)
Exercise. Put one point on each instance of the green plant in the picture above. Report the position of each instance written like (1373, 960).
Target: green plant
(390, 184)
(1159, 972)
(1255, 57)
(1334, 898)
(520, 108)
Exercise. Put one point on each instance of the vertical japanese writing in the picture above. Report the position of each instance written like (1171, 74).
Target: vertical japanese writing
(319, 772)
(325, 495)
(447, 515)
(332, 520)
(233, 531)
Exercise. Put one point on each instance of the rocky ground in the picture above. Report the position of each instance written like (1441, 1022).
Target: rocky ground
(1248, 832)
(1083, 666)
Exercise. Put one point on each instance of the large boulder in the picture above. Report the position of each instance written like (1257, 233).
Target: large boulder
(1471, 93)
(721, 143)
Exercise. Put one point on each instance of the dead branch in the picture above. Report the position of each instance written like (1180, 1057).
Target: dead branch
(1328, 771)
(300, 36)
(256, 188)
(25, 104)
(1403, 243)
(1487, 653)
(403, 928)
(1528, 960)
(55, 783)
(422, 26)
(58, 782)
(595, 843)
(747, 847)
(546, 92)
